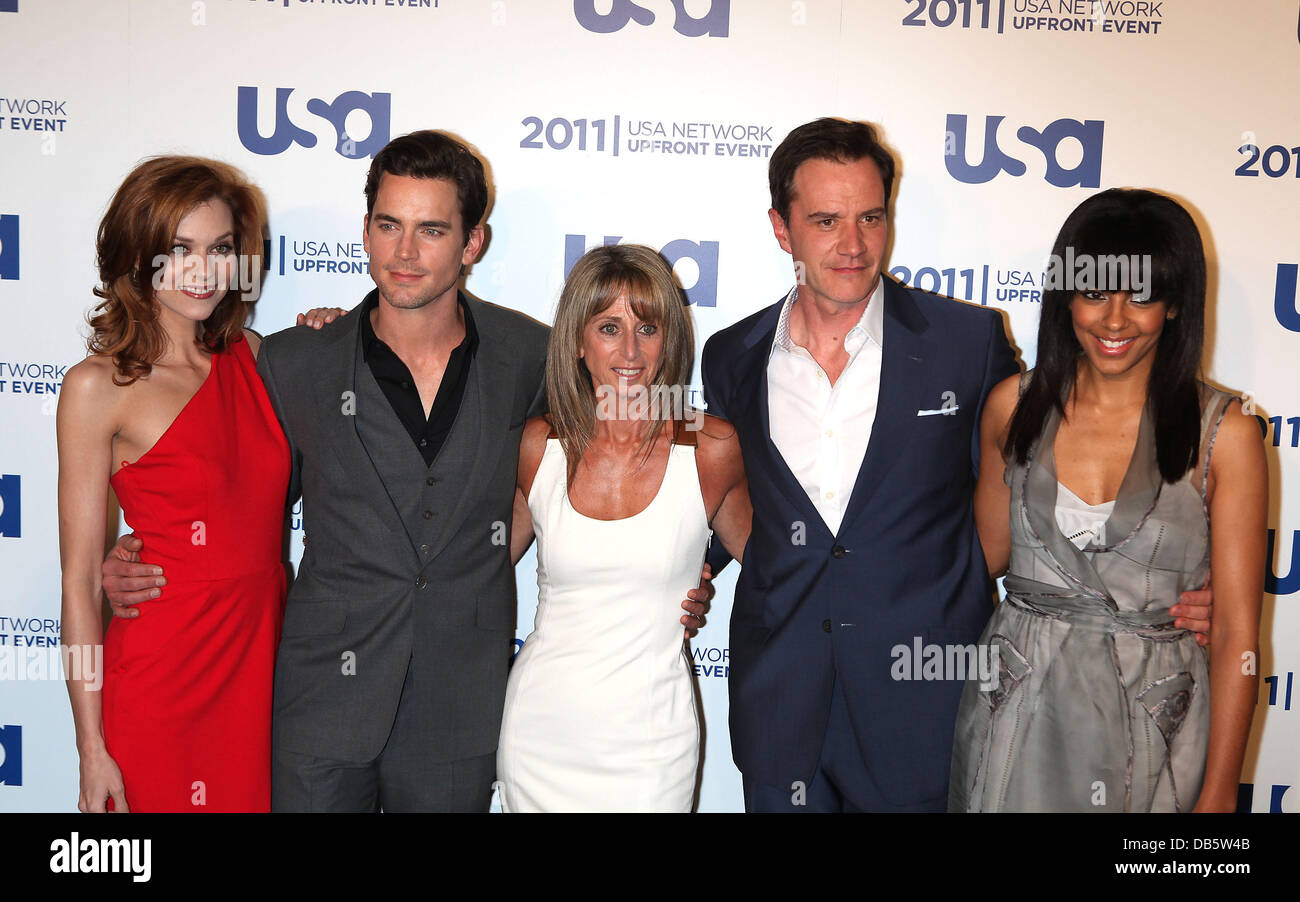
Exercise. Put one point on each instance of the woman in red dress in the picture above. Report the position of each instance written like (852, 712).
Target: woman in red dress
(168, 411)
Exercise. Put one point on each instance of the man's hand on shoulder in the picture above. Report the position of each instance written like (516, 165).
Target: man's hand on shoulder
(697, 602)
(317, 317)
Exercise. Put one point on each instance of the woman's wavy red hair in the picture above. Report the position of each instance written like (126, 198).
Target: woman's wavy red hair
(137, 231)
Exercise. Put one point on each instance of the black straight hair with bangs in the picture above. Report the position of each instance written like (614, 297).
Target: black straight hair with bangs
(1128, 221)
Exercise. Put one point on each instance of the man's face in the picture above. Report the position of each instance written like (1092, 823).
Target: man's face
(837, 230)
(416, 240)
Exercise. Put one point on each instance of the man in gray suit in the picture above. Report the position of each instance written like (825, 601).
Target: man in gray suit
(403, 419)
(404, 427)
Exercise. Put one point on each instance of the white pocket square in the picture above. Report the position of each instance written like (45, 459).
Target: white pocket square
(943, 410)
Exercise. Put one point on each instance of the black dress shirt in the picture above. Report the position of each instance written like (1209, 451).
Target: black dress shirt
(395, 380)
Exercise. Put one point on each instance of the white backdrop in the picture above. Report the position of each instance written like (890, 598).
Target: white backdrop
(650, 122)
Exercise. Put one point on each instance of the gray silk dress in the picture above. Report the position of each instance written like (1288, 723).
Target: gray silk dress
(1100, 703)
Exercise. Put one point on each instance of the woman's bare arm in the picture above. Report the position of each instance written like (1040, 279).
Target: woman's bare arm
(86, 424)
(532, 445)
(722, 477)
(521, 529)
(1238, 528)
(992, 497)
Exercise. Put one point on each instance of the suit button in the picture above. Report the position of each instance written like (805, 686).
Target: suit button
(304, 539)
(421, 582)
(430, 480)
(424, 443)
(428, 515)
(424, 549)
(826, 625)
(838, 552)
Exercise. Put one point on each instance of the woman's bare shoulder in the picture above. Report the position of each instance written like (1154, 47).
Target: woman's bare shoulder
(1239, 439)
(716, 432)
(254, 341)
(1004, 396)
(718, 443)
(89, 394)
(536, 430)
(91, 379)
(533, 441)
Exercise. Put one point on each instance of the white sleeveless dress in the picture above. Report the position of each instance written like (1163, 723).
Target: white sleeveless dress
(600, 709)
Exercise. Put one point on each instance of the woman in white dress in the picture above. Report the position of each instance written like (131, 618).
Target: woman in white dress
(622, 482)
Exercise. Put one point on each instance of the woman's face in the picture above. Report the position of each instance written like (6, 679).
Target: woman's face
(202, 263)
(1118, 330)
(620, 350)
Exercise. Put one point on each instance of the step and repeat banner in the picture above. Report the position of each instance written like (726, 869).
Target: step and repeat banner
(652, 121)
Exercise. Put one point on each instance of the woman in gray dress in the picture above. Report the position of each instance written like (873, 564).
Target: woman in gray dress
(1116, 463)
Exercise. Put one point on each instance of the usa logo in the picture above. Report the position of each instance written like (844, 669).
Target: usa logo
(377, 107)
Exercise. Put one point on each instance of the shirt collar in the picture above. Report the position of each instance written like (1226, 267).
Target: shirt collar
(370, 341)
(870, 326)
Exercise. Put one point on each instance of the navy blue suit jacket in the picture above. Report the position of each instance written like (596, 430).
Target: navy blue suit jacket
(906, 562)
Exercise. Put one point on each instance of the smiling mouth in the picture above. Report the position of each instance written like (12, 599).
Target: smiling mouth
(627, 372)
(1114, 346)
(200, 294)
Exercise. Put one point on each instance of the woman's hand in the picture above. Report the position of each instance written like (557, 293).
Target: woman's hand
(1216, 803)
(100, 780)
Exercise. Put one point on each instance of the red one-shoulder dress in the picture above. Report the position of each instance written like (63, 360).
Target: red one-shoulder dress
(187, 684)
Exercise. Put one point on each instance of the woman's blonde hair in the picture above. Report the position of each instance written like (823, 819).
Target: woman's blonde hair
(596, 281)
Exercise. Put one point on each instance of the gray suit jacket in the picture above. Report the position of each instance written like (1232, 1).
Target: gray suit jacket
(368, 601)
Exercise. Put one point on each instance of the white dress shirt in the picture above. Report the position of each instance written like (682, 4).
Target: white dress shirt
(822, 430)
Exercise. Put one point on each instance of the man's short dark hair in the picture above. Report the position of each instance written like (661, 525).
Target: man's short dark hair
(825, 139)
(433, 155)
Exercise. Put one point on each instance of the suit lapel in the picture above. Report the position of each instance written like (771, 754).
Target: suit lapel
(752, 401)
(903, 381)
(339, 397)
(490, 388)
(336, 401)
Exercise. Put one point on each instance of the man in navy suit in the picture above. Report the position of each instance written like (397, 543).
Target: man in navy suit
(857, 402)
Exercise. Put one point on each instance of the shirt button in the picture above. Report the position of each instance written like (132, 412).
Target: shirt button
(406, 385)
(428, 515)
(430, 480)
(830, 495)
(838, 552)
(826, 625)
(830, 433)
(421, 582)
(423, 442)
